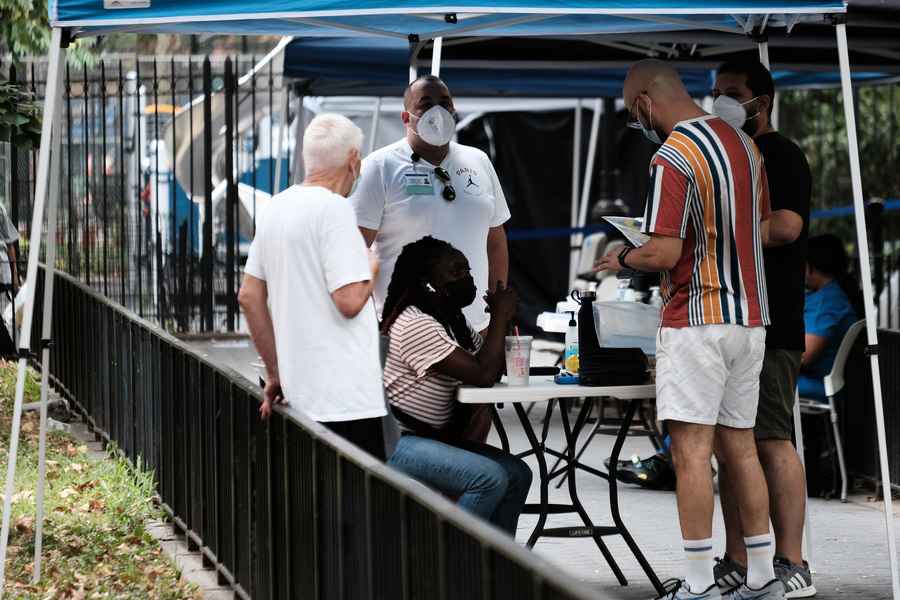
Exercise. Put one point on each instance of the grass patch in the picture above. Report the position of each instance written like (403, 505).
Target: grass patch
(95, 544)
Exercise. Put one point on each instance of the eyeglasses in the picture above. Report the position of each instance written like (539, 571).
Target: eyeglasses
(449, 193)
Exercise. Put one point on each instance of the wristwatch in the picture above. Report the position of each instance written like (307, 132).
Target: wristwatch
(622, 254)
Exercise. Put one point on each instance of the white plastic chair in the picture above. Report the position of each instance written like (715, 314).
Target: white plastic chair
(834, 383)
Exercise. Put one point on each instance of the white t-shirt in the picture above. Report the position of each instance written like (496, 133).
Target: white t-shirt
(307, 246)
(402, 200)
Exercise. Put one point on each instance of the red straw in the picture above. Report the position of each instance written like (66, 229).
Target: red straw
(516, 329)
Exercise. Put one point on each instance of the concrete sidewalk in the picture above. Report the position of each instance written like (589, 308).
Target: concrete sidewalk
(849, 543)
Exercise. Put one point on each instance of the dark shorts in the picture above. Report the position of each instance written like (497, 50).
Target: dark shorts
(365, 433)
(777, 382)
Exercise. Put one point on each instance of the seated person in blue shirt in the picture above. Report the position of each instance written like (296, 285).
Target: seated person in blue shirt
(833, 303)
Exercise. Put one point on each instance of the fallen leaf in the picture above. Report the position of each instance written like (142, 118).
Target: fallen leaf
(97, 505)
(67, 492)
(77, 467)
(87, 485)
(25, 525)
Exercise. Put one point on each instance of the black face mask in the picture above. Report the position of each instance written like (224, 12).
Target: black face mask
(461, 293)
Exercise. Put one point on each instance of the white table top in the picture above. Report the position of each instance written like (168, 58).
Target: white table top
(541, 388)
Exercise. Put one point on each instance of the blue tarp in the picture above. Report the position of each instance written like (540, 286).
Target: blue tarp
(422, 17)
(379, 67)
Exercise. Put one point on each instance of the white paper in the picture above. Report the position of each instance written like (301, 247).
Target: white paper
(630, 227)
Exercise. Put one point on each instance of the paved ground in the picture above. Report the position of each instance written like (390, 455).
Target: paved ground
(849, 548)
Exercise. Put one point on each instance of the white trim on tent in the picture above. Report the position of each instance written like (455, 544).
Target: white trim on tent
(443, 10)
(865, 271)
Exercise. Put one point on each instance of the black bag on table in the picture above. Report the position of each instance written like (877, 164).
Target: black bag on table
(605, 366)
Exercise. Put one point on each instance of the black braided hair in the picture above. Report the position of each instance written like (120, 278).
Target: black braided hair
(413, 269)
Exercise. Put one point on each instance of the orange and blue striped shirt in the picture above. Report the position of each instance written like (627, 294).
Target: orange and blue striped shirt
(708, 187)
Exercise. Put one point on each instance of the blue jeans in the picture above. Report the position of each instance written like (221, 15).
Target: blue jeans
(488, 482)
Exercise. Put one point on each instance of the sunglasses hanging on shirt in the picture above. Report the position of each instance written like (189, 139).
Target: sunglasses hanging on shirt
(449, 193)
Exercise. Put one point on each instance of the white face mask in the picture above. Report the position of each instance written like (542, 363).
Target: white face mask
(436, 126)
(648, 130)
(732, 111)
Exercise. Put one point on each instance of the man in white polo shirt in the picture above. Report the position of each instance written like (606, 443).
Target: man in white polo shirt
(426, 184)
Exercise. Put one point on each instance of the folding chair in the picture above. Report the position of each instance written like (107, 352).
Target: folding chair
(834, 383)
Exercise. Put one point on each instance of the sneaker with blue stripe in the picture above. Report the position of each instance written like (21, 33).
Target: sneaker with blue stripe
(797, 579)
(774, 590)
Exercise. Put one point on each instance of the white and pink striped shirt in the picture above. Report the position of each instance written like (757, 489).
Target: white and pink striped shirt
(418, 342)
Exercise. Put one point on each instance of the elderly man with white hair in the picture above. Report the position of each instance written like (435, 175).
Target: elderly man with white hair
(306, 294)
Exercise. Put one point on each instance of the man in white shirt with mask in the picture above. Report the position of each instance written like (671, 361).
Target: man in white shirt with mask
(426, 184)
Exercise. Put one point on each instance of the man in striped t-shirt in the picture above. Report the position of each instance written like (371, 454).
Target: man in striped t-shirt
(706, 211)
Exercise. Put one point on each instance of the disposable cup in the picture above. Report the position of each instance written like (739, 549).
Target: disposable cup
(518, 359)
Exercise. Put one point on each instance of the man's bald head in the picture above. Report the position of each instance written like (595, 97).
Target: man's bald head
(427, 89)
(656, 78)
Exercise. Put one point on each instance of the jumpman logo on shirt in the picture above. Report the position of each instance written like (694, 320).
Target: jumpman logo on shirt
(471, 183)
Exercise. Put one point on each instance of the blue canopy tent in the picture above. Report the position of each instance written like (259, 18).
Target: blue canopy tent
(353, 66)
(416, 21)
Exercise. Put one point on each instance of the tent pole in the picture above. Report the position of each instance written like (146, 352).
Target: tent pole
(283, 132)
(764, 54)
(46, 331)
(373, 131)
(414, 47)
(51, 103)
(574, 247)
(868, 296)
(436, 49)
(588, 173)
(298, 143)
(807, 528)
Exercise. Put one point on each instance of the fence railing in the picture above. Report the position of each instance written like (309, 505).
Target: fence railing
(285, 508)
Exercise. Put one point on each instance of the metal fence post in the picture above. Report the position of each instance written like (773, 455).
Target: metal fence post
(230, 197)
(208, 257)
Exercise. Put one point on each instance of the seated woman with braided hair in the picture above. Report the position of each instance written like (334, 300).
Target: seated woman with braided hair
(433, 350)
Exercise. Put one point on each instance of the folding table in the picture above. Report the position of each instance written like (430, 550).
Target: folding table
(544, 389)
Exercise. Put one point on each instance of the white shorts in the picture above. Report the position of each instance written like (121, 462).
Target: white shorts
(709, 375)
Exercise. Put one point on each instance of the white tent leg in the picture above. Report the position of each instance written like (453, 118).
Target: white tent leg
(807, 525)
(436, 49)
(51, 103)
(283, 132)
(868, 296)
(373, 132)
(588, 173)
(46, 330)
(574, 247)
(764, 54)
(298, 143)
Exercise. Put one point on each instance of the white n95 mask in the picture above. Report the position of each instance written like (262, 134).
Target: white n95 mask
(731, 111)
(436, 126)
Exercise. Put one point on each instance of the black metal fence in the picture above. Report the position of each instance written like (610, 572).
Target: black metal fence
(163, 162)
(282, 509)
